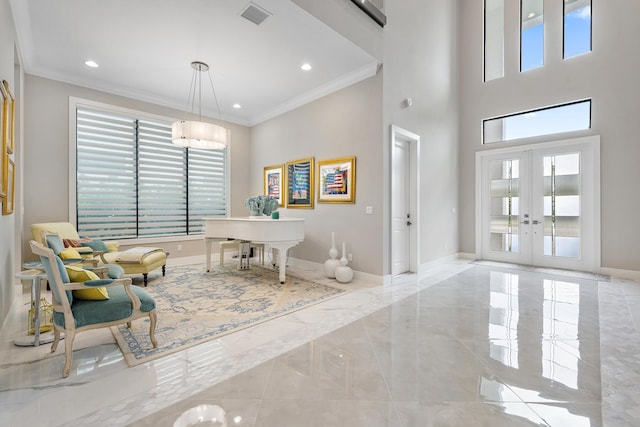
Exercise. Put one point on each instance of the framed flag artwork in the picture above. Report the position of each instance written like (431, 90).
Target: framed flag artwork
(337, 180)
(300, 183)
(273, 180)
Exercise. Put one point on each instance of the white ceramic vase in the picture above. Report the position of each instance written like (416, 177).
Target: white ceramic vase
(344, 260)
(331, 264)
(333, 252)
(344, 274)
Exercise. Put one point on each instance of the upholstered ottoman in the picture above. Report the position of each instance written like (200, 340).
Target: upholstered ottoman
(139, 260)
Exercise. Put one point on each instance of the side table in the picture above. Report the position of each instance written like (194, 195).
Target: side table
(36, 277)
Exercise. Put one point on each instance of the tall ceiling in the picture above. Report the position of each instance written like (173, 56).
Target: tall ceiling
(144, 49)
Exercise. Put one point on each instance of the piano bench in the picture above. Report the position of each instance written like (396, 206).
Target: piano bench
(235, 244)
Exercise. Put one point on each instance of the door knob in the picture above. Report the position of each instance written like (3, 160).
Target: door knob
(409, 223)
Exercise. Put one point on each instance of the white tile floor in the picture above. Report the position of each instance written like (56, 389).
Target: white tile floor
(461, 345)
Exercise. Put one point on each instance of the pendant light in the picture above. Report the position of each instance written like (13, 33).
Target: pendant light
(199, 134)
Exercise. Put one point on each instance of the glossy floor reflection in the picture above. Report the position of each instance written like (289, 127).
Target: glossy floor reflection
(462, 345)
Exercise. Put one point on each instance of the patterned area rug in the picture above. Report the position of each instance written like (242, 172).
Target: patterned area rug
(195, 306)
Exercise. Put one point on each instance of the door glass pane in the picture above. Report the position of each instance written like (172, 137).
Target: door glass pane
(532, 34)
(505, 189)
(562, 205)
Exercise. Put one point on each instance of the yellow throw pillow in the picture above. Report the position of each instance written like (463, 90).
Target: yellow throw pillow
(77, 274)
(70, 253)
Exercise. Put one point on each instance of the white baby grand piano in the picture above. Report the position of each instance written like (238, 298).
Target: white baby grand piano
(282, 234)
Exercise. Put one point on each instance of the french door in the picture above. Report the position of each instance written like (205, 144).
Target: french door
(539, 204)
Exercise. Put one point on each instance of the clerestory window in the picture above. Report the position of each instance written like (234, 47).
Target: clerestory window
(543, 121)
(577, 28)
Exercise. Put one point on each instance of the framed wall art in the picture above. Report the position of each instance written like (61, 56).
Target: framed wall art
(8, 113)
(273, 181)
(4, 157)
(337, 180)
(9, 185)
(300, 183)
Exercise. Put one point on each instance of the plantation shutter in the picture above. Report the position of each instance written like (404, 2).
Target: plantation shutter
(105, 175)
(207, 187)
(162, 189)
(133, 182)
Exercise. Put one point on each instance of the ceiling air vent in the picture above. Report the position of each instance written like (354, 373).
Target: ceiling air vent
(255, 14)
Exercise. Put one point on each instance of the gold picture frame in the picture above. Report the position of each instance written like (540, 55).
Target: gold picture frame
(300, 175)
(273, 183)
(4, 157)
(9, 186)
(337, 180)
(8, 117)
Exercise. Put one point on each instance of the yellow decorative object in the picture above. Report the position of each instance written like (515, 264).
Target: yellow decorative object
(46, 317)
(70, 253)
(79, 275)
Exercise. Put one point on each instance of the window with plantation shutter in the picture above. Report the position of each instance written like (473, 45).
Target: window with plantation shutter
(133, 182)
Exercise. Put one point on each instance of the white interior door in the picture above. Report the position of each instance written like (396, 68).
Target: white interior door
(400, 208)
(540, 205)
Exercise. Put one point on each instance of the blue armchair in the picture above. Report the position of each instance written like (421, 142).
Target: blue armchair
(71, 315)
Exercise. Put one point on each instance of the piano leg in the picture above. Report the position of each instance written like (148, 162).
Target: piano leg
(283, 264)
(243, 255)
(282, 248)
(207, 252)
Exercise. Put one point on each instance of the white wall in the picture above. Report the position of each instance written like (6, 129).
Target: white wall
(345, 123)
(608, 75)
(420, 62)
(418, 52)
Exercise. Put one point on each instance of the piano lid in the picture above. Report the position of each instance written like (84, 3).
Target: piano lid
(255, 229)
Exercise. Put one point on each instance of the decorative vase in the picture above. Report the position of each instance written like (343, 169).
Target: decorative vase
(344, 260)
(331, 264)
(344, 274)
(333, 252)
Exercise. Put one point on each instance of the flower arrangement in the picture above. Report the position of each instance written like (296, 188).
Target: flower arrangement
(261, 205)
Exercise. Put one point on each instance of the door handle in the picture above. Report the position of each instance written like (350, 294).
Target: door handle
(525, 222)
(535, 221)
(409, 223)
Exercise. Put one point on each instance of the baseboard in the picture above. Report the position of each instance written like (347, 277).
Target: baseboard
(621, 274)
(173, 261)
(467, 255)
(370, 278)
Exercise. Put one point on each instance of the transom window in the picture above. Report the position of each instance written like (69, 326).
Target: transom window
(543, 121)
(133, 182)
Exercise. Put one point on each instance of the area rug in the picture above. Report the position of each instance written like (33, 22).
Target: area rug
(195, 306)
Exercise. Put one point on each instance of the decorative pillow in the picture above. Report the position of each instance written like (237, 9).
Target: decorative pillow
(69, 253)
(72, 243)
(96, 245)
(77, 274)
(54, 242)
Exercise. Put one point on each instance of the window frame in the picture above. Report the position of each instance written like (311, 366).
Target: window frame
(564, 31)
(521, 26)
(535, 110)
(484, 44)
(74, 103)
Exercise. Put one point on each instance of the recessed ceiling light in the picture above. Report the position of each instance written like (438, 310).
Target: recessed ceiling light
(306, 66)
(90, 63)
(237, 106)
